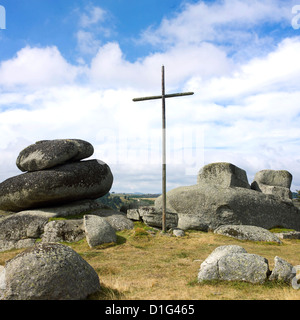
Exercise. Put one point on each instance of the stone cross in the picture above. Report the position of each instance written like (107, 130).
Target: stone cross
(163, 96)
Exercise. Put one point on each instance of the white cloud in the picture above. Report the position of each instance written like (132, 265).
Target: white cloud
(93, 16)
(95, 24)
(37, 67)
(109, 68)
(278, 71)
(246, 113)
(87, 43)
(217, 21)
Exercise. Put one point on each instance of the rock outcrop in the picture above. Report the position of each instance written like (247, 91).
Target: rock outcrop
(23, 229)
(222, 197)
(57, 184)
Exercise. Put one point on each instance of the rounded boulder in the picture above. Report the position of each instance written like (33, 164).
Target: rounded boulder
(48, 271)
(50, 153)
(75, 181)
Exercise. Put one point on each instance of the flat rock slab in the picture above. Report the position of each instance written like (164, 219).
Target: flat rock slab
(65, 210)
(46, 154)
(80, 180)
(251, 233)
(288, 235)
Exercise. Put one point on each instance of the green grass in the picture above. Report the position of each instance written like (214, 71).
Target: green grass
(146, 264)
(280, 230)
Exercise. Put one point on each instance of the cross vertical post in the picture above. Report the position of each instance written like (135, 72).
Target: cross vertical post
(164, 162)
(164, 158)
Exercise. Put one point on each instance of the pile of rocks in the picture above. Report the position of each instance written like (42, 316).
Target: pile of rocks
(234, 263)
(55, 175)
(58, 184)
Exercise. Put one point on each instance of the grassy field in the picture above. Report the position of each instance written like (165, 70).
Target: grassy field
(148, 265)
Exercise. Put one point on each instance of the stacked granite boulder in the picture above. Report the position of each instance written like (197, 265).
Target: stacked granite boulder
(55, 175)
(58, 184)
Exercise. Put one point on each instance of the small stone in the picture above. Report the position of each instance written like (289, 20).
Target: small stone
(98, 231)
(283, 271)
(178, 232)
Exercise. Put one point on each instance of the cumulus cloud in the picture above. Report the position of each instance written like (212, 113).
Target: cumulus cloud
(37, 67)
(245, 112)
(251, 116)
(216, 21)
(95, 24)
(93, 16)
(87, 43)
(109, 68)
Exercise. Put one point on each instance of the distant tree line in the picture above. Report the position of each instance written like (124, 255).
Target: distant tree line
(123, 203)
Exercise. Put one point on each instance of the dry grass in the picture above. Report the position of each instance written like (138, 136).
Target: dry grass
(155, 266)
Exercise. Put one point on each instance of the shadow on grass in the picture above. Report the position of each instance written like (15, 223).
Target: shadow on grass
(106, 293)
(121, 240)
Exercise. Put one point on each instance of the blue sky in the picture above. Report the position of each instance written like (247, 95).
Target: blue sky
(44, 23)
(69, 69)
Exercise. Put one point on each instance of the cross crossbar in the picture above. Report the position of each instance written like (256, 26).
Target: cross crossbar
(172, 95)
(162, 97)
